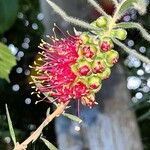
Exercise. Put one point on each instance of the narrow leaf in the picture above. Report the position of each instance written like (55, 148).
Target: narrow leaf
(48, 144)
(11, 130)
(72, 117)
(48, 111)
(145, 116)
(126, 4)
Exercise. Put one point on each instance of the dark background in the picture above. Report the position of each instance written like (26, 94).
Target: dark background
(24, 36)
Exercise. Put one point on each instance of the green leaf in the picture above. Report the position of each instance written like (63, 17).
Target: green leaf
(48, 111)
(48, 144)
(11, 130)
(72, 117)
(8, 14)
(7, 61)
(144, 116)
(126, 5)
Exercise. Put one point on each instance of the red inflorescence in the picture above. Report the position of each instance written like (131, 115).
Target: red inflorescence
(56, 76)
(74, 68)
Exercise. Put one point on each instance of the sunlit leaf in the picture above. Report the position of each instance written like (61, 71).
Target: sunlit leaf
(11, 129)
(8, 14)
(7, 61)
(72, 117)
(48, 144)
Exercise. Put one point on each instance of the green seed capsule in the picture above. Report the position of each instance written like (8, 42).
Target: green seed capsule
(101, 22)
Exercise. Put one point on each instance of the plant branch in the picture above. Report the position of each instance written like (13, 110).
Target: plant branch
(97, 7)
(59, 110)
(115, 18)
(72, 20)
(132, 52)
(115, 2)
(129, 25)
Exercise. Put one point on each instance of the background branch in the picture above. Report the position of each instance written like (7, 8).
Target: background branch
(60, 109)
(97, 7)
(72, 20)
(129, 25)
(132, 51)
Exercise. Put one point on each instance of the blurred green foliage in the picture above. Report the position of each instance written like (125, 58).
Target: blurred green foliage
(7, 61)
(8, 15)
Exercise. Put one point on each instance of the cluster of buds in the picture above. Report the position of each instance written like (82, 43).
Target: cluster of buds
(96, 57)
(75, 67)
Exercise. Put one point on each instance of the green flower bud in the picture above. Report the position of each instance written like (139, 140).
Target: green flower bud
(100, 55)
(101, 21)
(120, 34)
(93, 24)
(112, 57)
(94, 82)
(105, 74)
(98, 65)
(85, 37)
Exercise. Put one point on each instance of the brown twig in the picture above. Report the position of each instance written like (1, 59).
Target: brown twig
(60, 109)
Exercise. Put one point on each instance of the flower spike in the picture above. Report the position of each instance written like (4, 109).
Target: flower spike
(72, 20)
(74, 67)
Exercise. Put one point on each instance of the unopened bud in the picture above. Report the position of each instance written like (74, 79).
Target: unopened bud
(120, 34)
(105, 45)
(112, 57)
(88, 51)
(101, 21)
(105, 75)
(94, 82)
(84, 68)
(98, 66)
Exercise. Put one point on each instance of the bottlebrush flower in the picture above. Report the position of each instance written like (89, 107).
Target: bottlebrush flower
(73, 68)
(55, 75)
